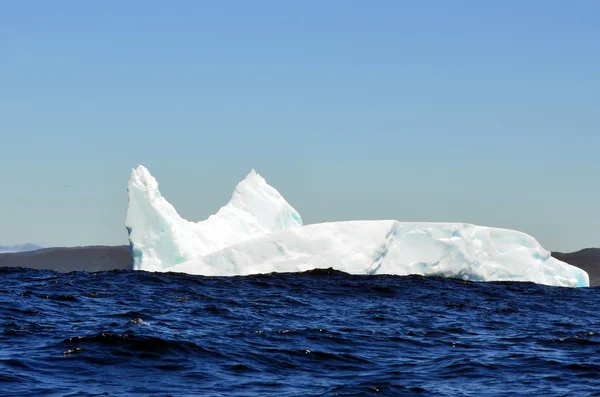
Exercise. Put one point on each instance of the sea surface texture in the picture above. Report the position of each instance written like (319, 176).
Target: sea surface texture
(126, 333)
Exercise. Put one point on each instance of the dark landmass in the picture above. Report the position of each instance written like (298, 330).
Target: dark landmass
(101, 258)
(89, 259)
(587, 259)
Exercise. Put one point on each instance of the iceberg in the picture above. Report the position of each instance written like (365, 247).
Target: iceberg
(258, 231)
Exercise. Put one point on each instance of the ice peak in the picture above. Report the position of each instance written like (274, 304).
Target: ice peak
(141, 172)
(142, 177)
(256, 197)
(253, 177)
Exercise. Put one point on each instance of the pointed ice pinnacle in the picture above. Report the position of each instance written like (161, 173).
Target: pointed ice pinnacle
(160, 238)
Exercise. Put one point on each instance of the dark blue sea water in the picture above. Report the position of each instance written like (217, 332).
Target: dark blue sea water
(126, 333)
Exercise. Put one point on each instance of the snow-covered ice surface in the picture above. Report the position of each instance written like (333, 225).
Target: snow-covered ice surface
(259, 232)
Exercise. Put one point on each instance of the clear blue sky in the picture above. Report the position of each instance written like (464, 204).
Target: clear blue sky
(477, 111)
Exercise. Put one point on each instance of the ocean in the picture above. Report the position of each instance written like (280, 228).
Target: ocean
(318, 333)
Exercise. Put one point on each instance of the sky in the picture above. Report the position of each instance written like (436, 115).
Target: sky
(463, 111)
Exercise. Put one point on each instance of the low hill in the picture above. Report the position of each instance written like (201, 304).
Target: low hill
(90, 259)
(19, 248)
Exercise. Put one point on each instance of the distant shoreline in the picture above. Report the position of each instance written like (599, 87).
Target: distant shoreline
(103, 258)
(68, 259)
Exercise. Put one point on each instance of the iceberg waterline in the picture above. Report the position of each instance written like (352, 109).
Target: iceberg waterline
(258, 231)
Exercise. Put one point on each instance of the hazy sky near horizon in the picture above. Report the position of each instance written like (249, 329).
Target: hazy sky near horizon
(471, 111)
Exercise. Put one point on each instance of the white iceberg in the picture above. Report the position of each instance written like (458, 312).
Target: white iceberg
(259, 232)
